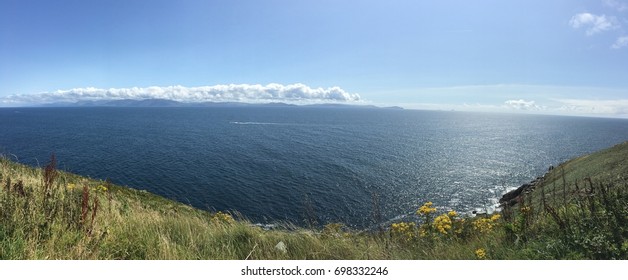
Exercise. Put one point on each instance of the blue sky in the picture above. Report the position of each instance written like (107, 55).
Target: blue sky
(553, 57)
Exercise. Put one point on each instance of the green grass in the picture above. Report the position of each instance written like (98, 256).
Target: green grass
(49, 214)
(579, 211)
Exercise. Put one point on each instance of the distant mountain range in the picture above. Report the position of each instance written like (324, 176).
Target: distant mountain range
(172, 103)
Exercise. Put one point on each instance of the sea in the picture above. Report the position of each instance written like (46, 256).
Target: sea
(306, 166)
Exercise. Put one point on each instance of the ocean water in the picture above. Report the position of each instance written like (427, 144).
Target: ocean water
(357, 166)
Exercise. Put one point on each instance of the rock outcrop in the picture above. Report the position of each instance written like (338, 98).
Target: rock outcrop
(512, 197)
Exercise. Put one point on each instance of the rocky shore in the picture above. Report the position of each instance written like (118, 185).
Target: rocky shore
(513, 197)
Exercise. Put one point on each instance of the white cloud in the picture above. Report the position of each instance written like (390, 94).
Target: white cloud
(615, 4)
(593, 23)
(294, 93)
(620, 43)
(521, 104)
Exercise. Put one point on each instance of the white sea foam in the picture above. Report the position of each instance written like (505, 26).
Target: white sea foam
(256, 123)
(497, 192)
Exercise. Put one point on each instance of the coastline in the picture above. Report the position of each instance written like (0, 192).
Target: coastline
(49, 214)
(514, 196)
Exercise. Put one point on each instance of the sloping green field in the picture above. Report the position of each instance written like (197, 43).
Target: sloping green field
(610, 164)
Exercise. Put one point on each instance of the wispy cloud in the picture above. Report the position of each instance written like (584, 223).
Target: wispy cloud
(522, 98)
(594, 107)
(593, 23)
(618, 5)
(521, 104)
(620, 43)
(294, 93)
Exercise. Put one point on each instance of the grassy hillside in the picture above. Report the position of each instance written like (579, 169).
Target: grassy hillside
(609, 164)
(579, 209)
(49, 214)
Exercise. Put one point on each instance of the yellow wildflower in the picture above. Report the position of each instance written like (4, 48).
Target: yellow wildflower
(221, 217)
(495, 217)
(71, 186)
(485, 225)
(426, 209)
(100, 188)
(452, 213)
(403, 229)
(442, 223)
(480, 254)
(482, 225)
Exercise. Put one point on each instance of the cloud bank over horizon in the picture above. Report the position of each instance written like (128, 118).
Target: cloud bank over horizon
(293, 93)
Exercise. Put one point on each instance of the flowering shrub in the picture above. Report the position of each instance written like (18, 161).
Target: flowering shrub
(426, 209)
(442, 224)
(101, 188)
(486, 225)
(447, 225)
(403, 230)
(222, 218)
(495, 217)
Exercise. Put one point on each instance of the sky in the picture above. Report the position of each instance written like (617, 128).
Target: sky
(548, 57)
